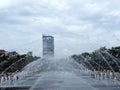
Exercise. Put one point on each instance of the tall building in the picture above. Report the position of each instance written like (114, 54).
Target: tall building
(48, 46)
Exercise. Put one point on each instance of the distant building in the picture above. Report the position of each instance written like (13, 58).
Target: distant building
(12, 53)
(29, 54)
(2, 51)
(48, 46)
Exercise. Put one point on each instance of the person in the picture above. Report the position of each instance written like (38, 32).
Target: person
(0, 79)
(95, 73)
(99, 75)
(103, 74)
(111, 76)
(7, 76)
(17, 77)
(108, 74)
(11, 79)
(4, 77)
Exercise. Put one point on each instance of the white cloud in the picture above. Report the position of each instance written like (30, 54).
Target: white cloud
(5, 3)
(59, 4)
(78, 25)
(79, 28)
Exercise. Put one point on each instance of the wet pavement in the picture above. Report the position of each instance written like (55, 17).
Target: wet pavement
(71, 81)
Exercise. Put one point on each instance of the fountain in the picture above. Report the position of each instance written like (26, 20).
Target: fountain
(60, 74)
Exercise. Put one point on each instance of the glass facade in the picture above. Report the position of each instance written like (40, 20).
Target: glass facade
(48, 46)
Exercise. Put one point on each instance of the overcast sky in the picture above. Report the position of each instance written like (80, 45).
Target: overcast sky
(77, 25)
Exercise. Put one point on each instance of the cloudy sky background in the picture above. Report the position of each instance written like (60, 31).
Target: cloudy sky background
(77, 25)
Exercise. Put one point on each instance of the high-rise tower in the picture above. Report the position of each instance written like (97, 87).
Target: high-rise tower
(48, 46)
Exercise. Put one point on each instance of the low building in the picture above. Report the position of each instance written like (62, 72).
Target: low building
(12, 53)
(2, 51)
(29, 54)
